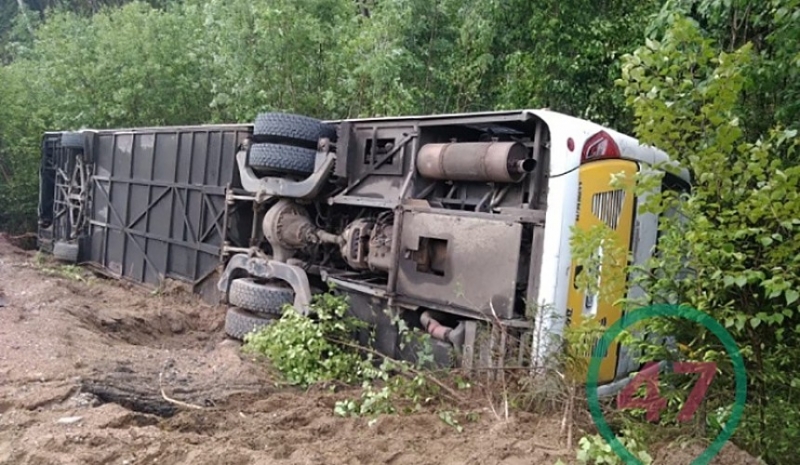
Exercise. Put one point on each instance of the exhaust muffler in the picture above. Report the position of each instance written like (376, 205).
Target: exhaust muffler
(475, 161)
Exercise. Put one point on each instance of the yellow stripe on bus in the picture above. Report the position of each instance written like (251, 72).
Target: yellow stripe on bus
(602, 203)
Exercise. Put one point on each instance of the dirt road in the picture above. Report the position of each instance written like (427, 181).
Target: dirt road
(83, 361)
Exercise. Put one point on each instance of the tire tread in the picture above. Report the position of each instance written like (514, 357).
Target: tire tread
(239, 322)
(282, 158)
(291, 126)
(259, 298)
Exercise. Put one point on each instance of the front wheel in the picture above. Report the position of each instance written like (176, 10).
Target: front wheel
(66, 252)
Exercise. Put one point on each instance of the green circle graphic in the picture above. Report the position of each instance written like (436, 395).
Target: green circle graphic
(666, 310)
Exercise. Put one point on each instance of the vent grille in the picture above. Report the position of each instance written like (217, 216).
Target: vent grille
(608, 206)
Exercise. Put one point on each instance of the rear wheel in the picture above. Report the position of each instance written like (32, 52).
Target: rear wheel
(282, 159)
(267, 298)
(291, 129)
(239, 322)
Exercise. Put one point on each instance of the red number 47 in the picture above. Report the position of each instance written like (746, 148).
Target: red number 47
(653, 403)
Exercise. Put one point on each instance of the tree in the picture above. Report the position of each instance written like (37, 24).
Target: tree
(565, 56)
(741, 228)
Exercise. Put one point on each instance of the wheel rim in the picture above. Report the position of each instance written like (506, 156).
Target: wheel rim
(75, 197)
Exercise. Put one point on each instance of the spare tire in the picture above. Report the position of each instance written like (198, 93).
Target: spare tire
(291, 129)
(281, 159)
(260, 298)
(239, 322)
(72, 140)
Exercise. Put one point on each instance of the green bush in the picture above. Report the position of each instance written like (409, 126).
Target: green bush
(595, 450)
(739, 230)
(166, 62)
(321, 347)
(315, 348)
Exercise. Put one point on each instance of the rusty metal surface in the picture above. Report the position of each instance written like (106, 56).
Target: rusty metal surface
(267, 187)
(475, 161)
(463, 198)
(538, 179)
(376, 162)
(435, 213)
(269, 269)
(355, 243)
(287, 228)
(469, 262)
(452, 118)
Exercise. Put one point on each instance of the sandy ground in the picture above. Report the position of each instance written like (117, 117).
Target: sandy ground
(83, 362)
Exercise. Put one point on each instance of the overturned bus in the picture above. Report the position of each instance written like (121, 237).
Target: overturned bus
(457, 224)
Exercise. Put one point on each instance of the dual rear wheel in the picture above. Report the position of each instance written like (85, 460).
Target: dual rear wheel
(282, 144)
(285, 143)
(254, 305)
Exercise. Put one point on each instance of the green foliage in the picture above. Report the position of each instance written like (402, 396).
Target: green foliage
(771, 28)
(21, 128)
(732, 249)
(309, 349)
(131, 66)
(593, 449)
(57, 270)
(391, 388)
(113, 63)
(373, 402)
(321, 347)
(601, 257)
(449, 418)
(395, 386)
(567, 55)
(280, 55)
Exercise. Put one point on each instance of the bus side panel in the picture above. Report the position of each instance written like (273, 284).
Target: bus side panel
(158, 202)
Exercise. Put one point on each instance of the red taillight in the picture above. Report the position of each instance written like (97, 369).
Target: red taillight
(600, 145)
